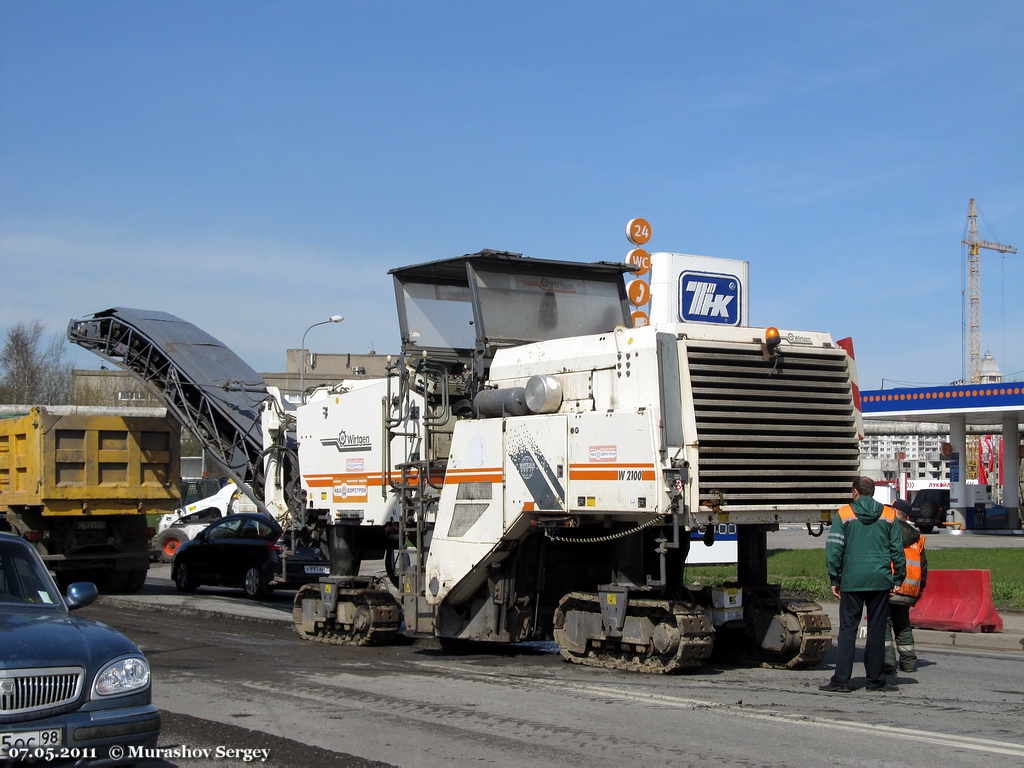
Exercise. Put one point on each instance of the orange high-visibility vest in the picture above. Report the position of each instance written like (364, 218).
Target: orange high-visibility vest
(911, 586)
(846, 514)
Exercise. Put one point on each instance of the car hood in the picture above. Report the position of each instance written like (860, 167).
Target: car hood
(52, 638)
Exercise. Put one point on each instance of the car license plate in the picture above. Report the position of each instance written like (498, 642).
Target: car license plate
(323, 570)
(51, 737)
(90, 525)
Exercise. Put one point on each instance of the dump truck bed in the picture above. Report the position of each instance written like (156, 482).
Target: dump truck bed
(82, 460)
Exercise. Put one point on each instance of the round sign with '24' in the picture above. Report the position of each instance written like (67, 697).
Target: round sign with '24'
(638, 231)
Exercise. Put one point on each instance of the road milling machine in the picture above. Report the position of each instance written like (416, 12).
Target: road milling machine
(531, 467)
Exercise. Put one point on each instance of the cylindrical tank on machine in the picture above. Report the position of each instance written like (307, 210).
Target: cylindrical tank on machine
(491, 403)
(542, 394)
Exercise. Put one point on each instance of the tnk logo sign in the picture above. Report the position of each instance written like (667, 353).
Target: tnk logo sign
(709, 298)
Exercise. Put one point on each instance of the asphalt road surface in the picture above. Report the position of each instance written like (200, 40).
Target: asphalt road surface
(229, 674)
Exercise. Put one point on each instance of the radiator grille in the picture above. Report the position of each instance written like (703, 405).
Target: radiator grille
(34, 690)
(777, 433)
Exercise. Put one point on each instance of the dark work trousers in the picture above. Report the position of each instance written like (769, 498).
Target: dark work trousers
(851, 606)
(899, 624)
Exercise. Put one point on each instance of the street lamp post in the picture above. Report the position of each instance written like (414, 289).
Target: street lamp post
(302, 368)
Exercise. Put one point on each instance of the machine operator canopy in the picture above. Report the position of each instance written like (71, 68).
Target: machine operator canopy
(480, 301)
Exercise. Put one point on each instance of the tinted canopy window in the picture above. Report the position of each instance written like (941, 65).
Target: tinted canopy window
(525, 307)
(439, 316)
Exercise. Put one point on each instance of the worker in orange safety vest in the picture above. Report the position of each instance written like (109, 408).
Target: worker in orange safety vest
(865, 562)
(904, 598)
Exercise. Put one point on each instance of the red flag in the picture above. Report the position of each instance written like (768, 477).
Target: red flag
(1001, 443)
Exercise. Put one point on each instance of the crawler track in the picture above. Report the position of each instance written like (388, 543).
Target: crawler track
(815, 636)
(682, 637)
(367, 617)
(799, 627)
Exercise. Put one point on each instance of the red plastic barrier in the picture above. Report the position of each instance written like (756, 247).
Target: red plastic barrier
(960, 601)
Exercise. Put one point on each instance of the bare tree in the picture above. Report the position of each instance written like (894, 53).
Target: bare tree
(31, 373)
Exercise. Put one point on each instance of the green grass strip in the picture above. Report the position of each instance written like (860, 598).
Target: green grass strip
(801, 572)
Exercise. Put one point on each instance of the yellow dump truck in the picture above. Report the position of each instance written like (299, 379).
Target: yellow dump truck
(78, 481)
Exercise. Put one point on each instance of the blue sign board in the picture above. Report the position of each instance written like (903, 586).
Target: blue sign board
(951, 399)
(707, 297)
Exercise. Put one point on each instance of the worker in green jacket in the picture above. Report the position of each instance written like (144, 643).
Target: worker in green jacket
(866, 563)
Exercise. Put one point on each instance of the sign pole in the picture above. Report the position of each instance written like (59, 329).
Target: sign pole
(638, 232)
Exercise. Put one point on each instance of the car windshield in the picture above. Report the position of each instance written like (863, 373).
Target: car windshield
(23, 580)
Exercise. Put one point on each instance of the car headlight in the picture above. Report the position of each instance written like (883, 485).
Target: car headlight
(122, 676)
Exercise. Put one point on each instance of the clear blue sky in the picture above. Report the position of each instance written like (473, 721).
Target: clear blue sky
(255, 167)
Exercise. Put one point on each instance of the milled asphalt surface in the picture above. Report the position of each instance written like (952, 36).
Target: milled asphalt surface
(160, 589)
(183, 729)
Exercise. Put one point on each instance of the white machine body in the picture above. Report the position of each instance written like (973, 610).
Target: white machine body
(625, 424)
(341, 453)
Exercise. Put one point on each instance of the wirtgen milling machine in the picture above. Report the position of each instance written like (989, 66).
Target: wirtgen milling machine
(533, 467)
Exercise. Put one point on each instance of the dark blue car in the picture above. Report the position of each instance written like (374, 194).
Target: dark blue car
(72, 690)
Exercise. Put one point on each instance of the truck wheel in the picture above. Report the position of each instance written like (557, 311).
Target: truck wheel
(183, 579)
(135, 581)
(168, 541)
(255, 583)
(111, 582)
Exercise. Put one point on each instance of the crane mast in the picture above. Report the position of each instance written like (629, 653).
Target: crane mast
(974, 246)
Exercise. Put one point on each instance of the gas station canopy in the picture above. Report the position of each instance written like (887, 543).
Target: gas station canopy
(977, 403)
(996, 404)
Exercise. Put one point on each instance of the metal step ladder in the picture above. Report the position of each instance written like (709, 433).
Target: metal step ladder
(417, 481)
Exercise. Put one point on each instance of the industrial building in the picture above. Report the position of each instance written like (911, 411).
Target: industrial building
(118, 388)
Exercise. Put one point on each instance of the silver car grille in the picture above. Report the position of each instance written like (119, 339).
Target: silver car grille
(34, 690)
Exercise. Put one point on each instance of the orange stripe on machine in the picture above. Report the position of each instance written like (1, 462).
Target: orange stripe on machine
(373, 480)
(327, 481)
(474, 475)
(616, 472)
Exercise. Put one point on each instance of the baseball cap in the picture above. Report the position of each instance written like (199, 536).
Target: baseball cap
(901, 506)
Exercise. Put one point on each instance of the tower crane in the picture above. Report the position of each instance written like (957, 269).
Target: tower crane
(974, 246)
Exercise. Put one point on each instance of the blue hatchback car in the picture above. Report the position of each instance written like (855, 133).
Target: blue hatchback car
(72, 690)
